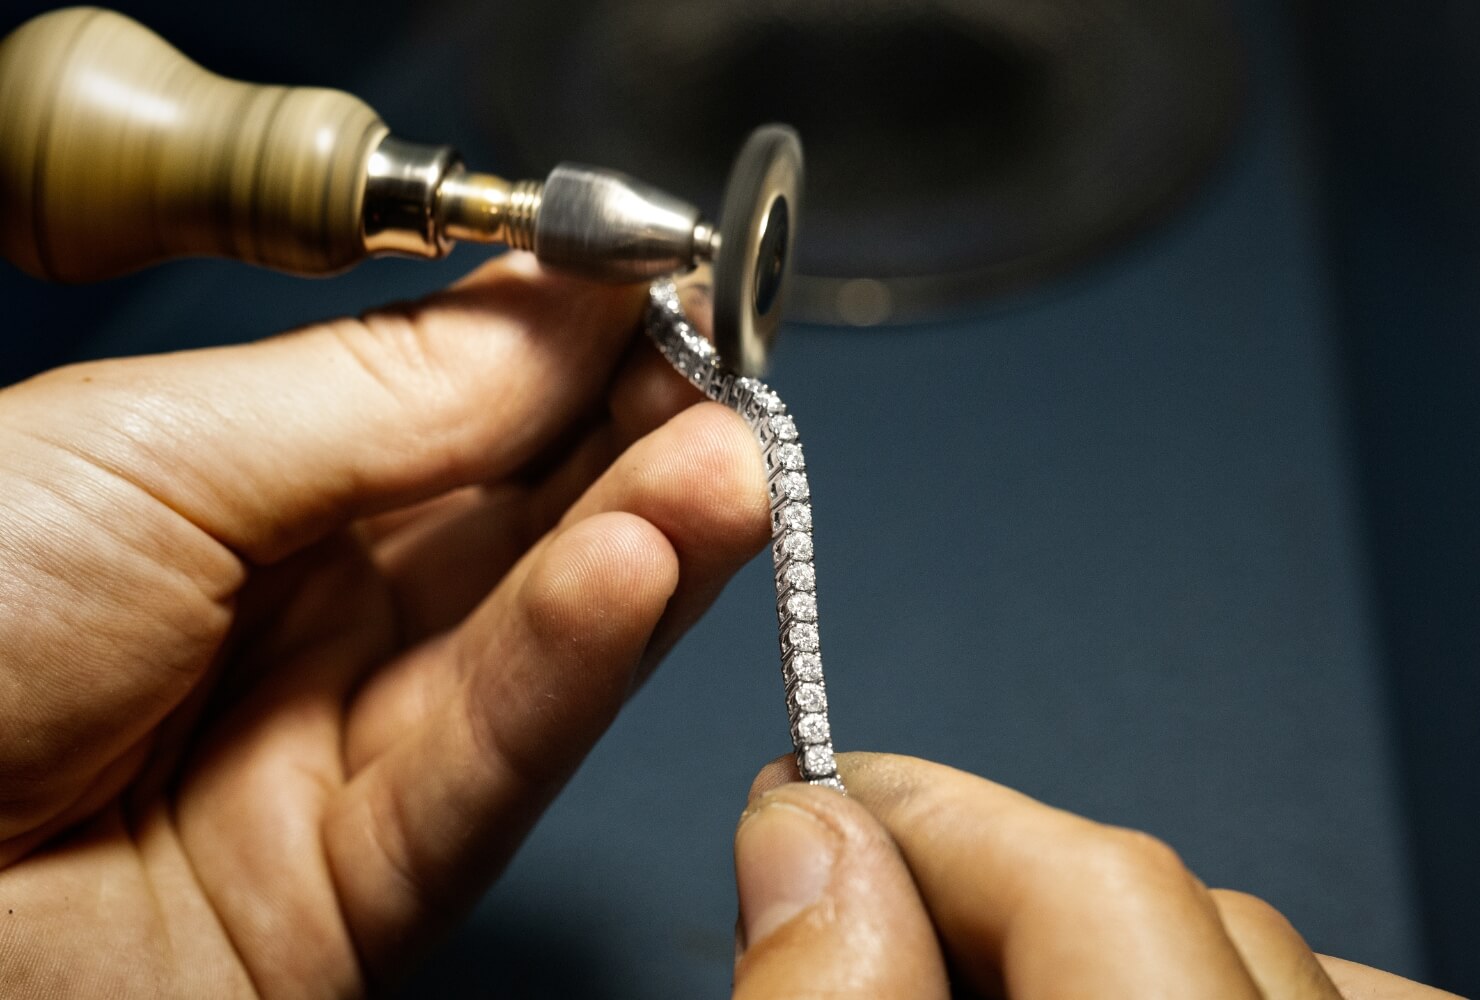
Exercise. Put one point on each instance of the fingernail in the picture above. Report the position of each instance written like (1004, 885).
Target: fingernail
(783, 862)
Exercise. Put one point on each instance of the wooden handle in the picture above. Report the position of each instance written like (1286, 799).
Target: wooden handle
(116, 151)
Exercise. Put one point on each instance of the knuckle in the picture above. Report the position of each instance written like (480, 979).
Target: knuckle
(1122, 858)
(386, 348)
(1248, 909)
(389, 358)
(919, 806)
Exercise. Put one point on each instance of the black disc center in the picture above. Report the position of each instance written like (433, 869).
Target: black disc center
(770, 261)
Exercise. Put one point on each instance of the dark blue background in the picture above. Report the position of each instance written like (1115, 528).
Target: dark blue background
(1188, 540)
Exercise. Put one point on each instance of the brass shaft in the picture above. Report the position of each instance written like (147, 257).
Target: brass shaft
(486, 209)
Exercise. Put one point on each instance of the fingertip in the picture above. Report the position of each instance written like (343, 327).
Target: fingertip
(554, 661)
(796, 816)
(820, 885)
(897, 788)
(709, 459)
(784, 859)
(612, 571)
(849, 819)
(870, 770)
(778, 772)
(700, 480)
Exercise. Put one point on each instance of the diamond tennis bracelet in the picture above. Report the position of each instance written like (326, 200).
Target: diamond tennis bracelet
(791, 523)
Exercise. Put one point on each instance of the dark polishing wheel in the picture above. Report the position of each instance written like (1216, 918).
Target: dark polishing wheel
(757, 230)
(955, 148)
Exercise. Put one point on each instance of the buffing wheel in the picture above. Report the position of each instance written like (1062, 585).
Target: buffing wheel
(757, 230)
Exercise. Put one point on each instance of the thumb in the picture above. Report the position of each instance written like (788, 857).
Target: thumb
(827, 906)
(267, 446)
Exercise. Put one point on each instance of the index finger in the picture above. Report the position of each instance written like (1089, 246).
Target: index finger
(1042, 901)
(269, 446)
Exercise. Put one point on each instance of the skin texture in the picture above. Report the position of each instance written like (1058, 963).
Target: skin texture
(1025, 901)
(297, 639)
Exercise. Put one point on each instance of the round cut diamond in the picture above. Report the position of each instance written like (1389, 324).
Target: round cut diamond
(802, 606)
(813, 728)
(796, 545)
(804, 637)
(769, 401)
(795, 517)
(791, 521)
(807, 667)
(800, 575)
(811, 698)
(819, 760)
(793, 486)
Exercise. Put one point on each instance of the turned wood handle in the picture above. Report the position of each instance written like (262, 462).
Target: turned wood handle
(116, 151)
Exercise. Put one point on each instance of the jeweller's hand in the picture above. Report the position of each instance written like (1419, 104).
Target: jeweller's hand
(264, 724)
(923, 868)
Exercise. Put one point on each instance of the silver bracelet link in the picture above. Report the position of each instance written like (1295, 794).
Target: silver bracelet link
(791, 524)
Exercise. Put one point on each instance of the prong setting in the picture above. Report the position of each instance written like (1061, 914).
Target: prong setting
(791, 525)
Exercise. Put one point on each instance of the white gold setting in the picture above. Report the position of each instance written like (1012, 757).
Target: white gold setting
(791, 524)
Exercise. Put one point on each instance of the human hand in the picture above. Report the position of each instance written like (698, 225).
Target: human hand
(298, 638)
(924, 869)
